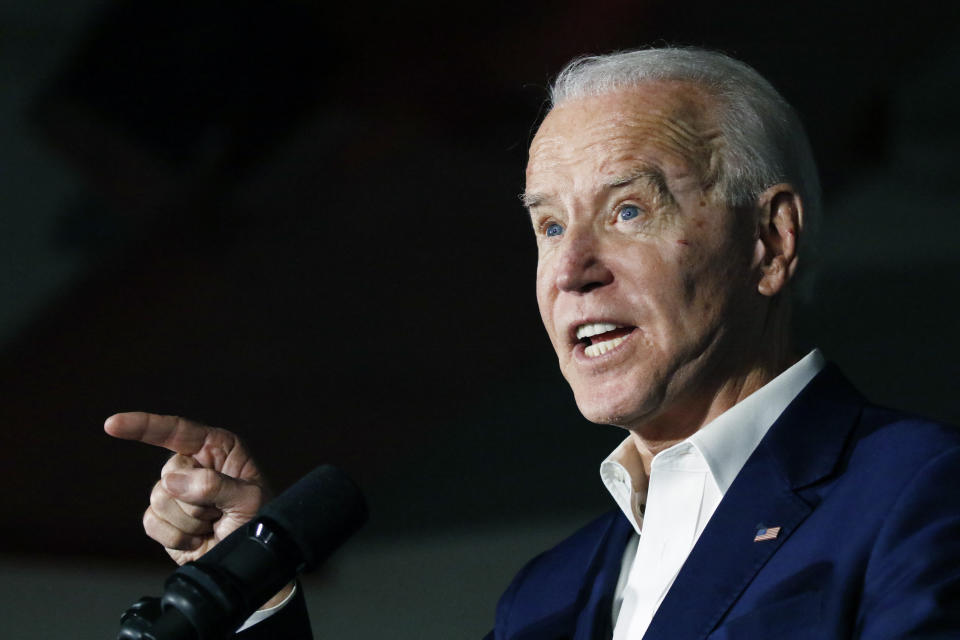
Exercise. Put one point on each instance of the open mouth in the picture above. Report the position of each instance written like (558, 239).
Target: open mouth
(600, 337)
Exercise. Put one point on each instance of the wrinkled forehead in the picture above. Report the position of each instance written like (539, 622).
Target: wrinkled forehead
(670, 125)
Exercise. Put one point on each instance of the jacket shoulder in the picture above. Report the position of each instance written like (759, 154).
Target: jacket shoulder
(907, 441)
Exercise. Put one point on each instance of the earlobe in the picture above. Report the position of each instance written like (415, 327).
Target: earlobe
(778, 230)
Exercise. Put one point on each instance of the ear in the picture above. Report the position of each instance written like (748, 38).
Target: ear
(779, 224)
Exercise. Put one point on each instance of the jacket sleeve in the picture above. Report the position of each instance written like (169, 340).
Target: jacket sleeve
(912, 583)
(290, 623)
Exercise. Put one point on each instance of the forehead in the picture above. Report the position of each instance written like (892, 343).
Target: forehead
(667, 125)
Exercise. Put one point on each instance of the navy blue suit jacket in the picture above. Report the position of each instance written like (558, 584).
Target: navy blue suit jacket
(868, 502)
(868, 505)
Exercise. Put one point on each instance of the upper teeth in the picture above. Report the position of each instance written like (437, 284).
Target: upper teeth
(594, 328)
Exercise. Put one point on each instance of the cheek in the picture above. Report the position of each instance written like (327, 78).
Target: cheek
(677, 282)
(544, 302)
(651, 284)
(710, 279)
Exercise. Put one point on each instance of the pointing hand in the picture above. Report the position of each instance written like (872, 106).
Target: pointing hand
(209, 488)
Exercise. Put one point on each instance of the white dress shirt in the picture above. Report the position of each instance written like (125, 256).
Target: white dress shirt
(670, 508)
(262, 614)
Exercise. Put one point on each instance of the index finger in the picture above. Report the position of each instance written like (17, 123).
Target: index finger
(170, 432)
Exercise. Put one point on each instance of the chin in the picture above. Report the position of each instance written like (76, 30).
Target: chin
(621, 410)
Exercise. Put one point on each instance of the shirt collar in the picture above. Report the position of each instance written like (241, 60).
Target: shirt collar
(623, 475)
(725, 443)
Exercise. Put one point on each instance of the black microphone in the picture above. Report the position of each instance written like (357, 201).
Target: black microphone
(208, 599)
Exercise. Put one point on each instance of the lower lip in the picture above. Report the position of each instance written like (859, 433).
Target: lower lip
(579, 350)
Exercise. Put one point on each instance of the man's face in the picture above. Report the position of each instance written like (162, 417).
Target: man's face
(635, 248)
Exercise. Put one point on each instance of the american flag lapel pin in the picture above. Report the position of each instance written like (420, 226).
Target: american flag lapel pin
(766, 533)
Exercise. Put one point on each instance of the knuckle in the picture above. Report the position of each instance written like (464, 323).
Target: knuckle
(158, 496)
(167, 534)
(258, 495)
(239, 447)
(207, 482)
(176, 462)
(190, 510)
(199, 512)
(151, 524)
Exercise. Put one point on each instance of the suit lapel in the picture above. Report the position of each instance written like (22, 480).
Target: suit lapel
(595, 621)
(572, 596)
(802, 447)
(725, 558)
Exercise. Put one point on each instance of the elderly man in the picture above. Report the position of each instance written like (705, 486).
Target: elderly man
(759, 494)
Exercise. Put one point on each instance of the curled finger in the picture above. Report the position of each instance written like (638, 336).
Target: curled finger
(200, 512)
(168, 535)
(169, 509)
(205, 487)
(178, 461)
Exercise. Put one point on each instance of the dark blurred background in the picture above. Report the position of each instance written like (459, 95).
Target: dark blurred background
(300, 221)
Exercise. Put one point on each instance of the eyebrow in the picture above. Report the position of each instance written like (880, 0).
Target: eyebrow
(646, 174)
(531, 200)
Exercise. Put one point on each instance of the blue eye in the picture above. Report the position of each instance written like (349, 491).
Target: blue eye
(629, 212)
(553, 229)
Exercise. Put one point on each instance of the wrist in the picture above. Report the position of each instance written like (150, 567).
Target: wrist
(280, 598)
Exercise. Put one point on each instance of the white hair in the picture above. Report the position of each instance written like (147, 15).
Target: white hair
(763, 140)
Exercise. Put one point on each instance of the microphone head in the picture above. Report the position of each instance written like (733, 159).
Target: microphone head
(318, 513)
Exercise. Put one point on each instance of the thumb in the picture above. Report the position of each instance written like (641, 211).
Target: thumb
(207, 488)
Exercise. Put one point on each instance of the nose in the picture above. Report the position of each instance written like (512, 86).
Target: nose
(581, 268)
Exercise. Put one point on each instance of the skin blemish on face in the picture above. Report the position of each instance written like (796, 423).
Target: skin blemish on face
(655, 148)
